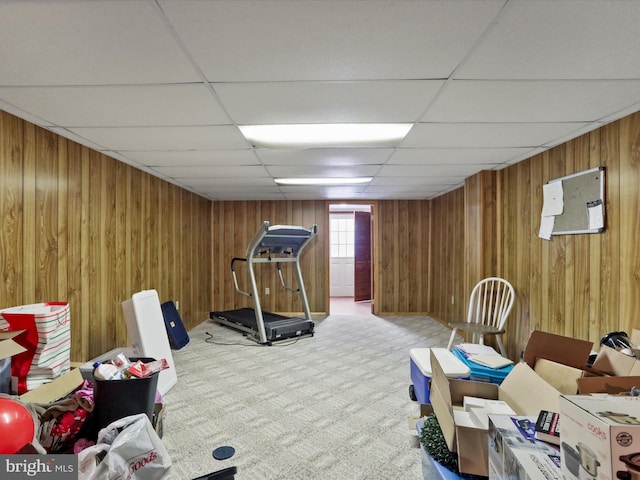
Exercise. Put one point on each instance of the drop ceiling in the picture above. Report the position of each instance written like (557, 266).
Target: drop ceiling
(163, 85)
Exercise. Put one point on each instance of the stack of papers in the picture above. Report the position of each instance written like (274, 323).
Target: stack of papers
(491, 360)
(470, 349)
(483, 355)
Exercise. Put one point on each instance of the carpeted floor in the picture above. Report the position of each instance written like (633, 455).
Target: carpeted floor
(332, 407)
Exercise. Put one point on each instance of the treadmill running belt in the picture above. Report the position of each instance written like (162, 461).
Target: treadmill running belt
(277, 327)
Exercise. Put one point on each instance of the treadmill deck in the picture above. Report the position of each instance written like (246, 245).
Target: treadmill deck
(277, 327)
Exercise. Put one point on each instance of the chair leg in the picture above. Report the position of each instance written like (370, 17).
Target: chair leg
(500, 346)
(452, 338)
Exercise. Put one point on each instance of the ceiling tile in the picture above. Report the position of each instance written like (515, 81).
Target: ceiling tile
(560, 39)
(207, 172)
(412, 181)
(85, 42)
(531, 101)
(416, 180)
(399, 192)
(243, 195)
(332, 157)
(105, 106)
(445, 156)
(323, 171)
(241, 183)
(164, 138)
(327, 102)
(432, 170)
(486, 135)
(311, 192)
(163, 85)
(194, 158)
(329, 40)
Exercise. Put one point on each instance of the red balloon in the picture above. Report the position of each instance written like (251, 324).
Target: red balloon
(16, 426)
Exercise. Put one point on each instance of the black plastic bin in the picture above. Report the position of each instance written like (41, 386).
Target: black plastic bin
(115, 399)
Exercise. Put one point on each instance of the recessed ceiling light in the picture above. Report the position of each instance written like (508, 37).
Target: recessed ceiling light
(323, 181)
(326, 134)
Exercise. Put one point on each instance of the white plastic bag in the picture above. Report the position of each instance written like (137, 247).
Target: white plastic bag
(132, 450)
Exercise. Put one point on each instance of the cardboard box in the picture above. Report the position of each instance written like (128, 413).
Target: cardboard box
(515, 454)
(612, 362)
(471, 442)
(557, 348)
(552, 365)
(598, 432)
(562, 362)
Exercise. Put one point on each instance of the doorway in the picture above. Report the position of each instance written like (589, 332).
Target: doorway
(350, 262)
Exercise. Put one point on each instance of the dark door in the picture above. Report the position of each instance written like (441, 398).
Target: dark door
(362, 257)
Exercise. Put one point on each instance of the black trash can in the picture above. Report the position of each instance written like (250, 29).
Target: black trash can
(115, 399)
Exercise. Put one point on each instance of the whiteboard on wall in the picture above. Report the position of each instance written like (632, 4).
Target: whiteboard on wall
(583, 203)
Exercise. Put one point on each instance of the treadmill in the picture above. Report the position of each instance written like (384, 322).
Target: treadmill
(277, 244)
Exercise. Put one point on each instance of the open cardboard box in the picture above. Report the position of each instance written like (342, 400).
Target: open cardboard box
(552, 365)
(561, 361)
(471, 443)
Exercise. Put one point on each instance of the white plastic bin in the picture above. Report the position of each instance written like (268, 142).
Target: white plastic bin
(421, 369)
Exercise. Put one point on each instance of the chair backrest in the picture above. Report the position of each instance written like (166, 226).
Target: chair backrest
(491, 302)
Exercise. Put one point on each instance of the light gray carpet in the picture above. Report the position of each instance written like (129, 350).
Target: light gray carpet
(332, 407)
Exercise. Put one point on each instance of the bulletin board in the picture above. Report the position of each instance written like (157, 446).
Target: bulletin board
(583, 203)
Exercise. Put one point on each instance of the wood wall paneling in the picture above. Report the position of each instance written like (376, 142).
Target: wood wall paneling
(81, 227)
(235, 224)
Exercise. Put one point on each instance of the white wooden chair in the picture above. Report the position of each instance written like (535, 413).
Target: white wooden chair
(489, 307)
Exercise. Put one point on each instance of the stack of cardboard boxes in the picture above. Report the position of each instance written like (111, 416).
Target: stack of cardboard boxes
(553, 376)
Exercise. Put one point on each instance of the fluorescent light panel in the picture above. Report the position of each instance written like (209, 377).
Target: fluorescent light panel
(326, 135)
(323, 181)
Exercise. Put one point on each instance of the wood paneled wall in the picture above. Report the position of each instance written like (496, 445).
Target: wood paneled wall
(446, 269)
(576, 285)
(404, 236)
(81, 227)
(233, 226)
(481, 224)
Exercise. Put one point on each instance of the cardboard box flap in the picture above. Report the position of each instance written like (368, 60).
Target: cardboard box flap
(612, 362)
(445, 393)
(440, 397)
(9, 347)
(557, 348)
(527, 393)
(561, 377)
(473, 454)
(55, 390)
(610, 385)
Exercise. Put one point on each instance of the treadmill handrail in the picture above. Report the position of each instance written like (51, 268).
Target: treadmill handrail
(282, 281)
(235, 277)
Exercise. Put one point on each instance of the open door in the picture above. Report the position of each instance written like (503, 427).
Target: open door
(362, 256)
